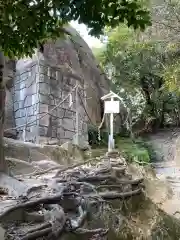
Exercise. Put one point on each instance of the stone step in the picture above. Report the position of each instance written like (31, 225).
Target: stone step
(113, 154)
(35, 152)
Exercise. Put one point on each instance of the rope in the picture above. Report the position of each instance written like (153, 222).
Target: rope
(100, 126)
(95, 126)
(15, 128)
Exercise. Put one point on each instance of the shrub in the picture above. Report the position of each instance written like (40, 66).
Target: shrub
(133, 151)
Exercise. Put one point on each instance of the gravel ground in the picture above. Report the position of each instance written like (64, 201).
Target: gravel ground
(166, 144)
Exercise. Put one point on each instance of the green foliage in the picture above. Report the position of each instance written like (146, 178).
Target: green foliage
(24, 24)
(143, 143)
(133, 151)
(145, 73)
(172, 76)
(138, 150)
(130, 58)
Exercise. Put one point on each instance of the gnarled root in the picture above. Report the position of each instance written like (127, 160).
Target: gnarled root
(70, 198)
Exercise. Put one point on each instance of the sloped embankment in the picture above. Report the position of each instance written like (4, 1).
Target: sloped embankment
(100, 198)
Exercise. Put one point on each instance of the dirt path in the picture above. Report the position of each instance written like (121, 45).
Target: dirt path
(165, 143)
(167, 147)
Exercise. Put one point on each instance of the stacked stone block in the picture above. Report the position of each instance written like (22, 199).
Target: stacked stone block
(38, 90)
(25, 102)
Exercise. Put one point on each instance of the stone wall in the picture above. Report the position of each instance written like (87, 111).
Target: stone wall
(60, 122)
(26, 100)
(38, 91)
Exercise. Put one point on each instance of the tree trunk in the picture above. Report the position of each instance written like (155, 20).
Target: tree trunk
(3, 164)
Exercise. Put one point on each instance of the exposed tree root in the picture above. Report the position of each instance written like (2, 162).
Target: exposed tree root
(17, 161)
(37, 234)
(118, 186)
(97, 178)
(36, 229)
(47, 230)
(74, 166)
(30, 204)
(100, 231)
(46, 171)
(41, 172)
(34, 217)
(115, 195)
(69, 198)
(35, 188)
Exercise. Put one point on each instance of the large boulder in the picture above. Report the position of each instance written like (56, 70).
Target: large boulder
(45, 79)
(74, 53)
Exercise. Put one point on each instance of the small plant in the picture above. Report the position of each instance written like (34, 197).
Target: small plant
(133, 151)
(143, 143)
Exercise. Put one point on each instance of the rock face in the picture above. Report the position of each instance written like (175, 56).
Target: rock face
(45, 80)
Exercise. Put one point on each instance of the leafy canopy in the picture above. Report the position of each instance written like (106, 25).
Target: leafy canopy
(25, 23)
(147, 71)
(145, 66)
